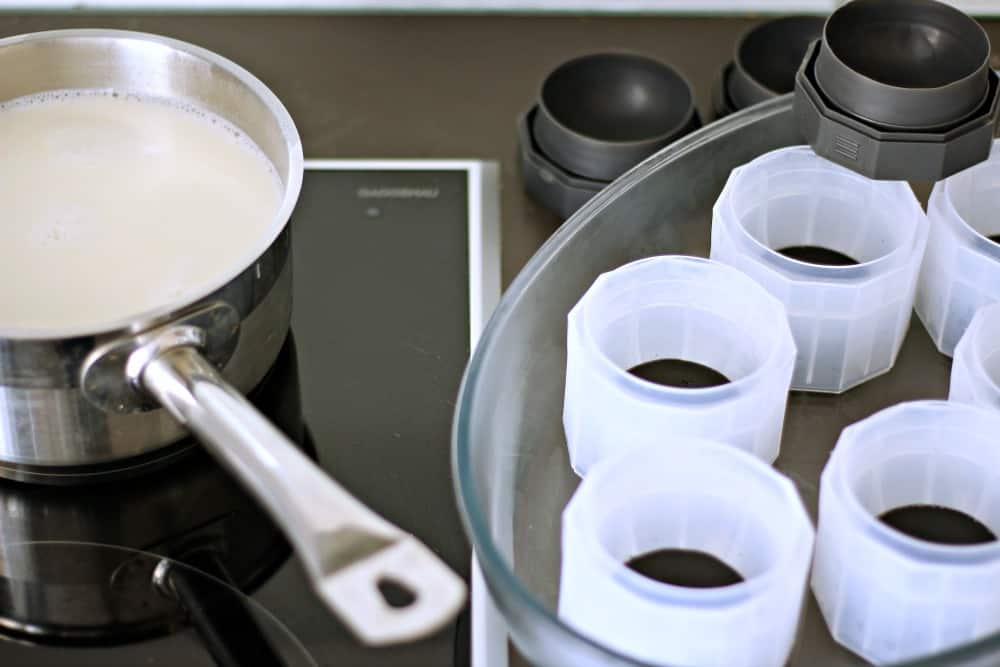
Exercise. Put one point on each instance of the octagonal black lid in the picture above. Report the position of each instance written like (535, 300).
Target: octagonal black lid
(898, 80)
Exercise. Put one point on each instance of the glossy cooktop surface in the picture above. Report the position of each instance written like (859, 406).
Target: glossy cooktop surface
(179, 566)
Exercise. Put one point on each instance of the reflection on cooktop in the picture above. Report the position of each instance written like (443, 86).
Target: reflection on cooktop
(209, 621)
(85, 565)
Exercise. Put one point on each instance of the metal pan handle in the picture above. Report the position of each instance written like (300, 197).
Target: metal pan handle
(350, 553)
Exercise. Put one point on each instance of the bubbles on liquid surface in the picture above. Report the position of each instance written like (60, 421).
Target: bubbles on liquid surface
(156, 197)
(50, 96)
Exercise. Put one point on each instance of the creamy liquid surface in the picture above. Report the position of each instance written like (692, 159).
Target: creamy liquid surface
(112, 205)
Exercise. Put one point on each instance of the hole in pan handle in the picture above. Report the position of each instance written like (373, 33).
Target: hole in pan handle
(347, 549)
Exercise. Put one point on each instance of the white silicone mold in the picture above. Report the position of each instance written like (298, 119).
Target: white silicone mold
(695, 495)
(675, 307)
(884, 594)
(975, 372)
(961, 271)
(848, 321)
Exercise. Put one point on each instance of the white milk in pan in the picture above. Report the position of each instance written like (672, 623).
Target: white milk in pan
(112, 205)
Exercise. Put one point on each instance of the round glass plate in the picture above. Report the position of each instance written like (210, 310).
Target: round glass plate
(511, 468)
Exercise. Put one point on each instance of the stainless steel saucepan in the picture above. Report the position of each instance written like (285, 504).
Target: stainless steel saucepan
(84, 398)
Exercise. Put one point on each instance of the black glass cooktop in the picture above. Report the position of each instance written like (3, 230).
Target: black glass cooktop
(179, 566)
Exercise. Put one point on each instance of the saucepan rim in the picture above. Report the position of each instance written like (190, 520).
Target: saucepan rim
(291, 184)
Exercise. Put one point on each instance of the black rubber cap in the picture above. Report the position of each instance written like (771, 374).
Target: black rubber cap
(888, 153)
(600, 114)
(767, 58)
(904, 64)
(549, 184)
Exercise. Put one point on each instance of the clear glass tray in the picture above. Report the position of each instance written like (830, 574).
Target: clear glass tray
(512, 471)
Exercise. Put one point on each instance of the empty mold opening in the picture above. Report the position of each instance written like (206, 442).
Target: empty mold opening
(811, 254)
(690, 322)
(902, 45)
(684, 539)
(933, 523)
(926, 492)
(684, 567)
(975, 194)
(679, 373)
(664, 331)
(616, 97)
(653, 508)
(818, 215)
